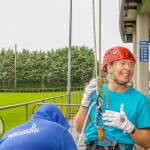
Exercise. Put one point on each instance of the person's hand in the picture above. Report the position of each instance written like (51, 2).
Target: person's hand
(89, 90)
(118, 120)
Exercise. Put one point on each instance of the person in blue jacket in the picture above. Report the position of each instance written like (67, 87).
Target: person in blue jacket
(47, 130)
(123, 118)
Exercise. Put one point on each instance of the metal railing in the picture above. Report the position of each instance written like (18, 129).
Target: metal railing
(61, 101)
(41, 89)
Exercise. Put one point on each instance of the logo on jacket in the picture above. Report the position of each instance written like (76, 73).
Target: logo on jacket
(32, 130)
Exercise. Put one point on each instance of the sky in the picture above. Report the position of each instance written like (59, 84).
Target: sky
(44, 24)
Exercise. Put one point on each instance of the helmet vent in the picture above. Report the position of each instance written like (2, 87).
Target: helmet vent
(128, 54)
(115, 52)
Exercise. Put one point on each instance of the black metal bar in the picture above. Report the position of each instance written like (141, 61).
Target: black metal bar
(134, 1)
(130, 7)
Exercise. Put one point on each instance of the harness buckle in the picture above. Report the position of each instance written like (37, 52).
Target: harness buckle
(114, 144)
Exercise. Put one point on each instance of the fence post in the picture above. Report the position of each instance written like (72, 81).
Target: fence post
(26, 112)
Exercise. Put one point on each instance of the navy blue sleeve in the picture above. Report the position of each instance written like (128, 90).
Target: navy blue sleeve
(67, 142)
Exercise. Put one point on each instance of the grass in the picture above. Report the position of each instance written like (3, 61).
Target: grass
(15, 98)
(15, 116)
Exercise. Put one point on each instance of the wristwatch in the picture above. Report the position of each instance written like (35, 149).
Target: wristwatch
(133, 131)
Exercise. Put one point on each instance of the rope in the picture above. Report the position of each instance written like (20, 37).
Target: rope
(95, 48)
(99, 100)
(85, 124)
(94, 40)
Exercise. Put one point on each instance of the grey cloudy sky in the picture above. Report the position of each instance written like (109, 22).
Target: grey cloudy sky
(44, 24)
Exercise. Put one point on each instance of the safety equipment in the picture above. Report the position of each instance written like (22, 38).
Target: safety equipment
(89, 91)
(116, 53)
(118, 120)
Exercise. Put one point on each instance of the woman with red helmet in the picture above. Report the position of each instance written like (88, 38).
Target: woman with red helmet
(124, 115)
(123, 58)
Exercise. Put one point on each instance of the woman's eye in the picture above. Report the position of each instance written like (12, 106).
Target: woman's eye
(131, 65)
(122, 64)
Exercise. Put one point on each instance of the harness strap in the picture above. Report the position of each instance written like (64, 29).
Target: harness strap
(113, 143)
(96, 143)
(105, 146)
(121, 147)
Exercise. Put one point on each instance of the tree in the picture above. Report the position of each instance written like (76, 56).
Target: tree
(47, 69)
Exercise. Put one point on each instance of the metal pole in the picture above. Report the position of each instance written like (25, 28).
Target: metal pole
(69, 61)
(15, 80)
(100, 38)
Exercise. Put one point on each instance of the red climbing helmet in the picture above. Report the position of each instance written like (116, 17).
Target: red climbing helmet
(116, 53)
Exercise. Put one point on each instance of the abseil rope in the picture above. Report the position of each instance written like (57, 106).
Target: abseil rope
(98, 91)
(85, 124)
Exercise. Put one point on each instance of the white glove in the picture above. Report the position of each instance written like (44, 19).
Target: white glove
(118, 120)
(89, 91)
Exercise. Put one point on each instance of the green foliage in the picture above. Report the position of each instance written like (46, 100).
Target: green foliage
(46, 69)
(6, 66)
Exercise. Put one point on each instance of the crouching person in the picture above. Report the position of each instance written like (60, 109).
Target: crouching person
(47, 130)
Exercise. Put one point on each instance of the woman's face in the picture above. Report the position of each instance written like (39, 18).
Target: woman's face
(122, 70)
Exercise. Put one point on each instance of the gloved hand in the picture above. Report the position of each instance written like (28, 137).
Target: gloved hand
(89, 90)
(118, 120)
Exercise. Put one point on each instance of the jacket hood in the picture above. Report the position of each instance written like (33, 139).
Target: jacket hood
(52, 113)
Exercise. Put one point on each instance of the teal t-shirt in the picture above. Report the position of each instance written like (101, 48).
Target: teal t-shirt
(136, 108)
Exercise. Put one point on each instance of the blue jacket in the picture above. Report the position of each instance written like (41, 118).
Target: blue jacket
(47, 130)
